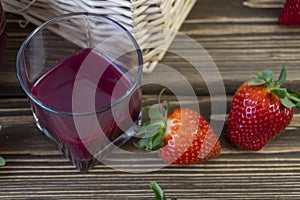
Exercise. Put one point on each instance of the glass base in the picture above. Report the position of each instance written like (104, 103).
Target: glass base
(84, 165)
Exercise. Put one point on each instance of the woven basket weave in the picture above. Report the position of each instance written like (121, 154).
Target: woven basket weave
(145, 18)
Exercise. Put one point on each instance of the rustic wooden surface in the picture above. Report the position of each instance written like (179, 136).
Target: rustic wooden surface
(241, 40)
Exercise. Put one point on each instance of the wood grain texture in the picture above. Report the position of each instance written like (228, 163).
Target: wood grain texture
(241, 41)
(264, 3)
(37, 170)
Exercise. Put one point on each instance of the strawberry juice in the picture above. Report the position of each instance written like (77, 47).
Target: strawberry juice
(100, 83)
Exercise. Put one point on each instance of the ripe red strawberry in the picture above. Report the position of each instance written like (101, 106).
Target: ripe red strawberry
(181, 137)
(260, 110)
(189, 139)
(290, 14)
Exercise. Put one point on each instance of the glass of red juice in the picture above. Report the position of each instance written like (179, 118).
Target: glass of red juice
(82, 73)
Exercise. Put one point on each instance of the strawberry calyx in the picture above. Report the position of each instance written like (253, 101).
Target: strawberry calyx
(288, 97)
(153, 130)
(158, 191)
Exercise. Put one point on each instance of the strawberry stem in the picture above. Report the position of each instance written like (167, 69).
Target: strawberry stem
(289, 98)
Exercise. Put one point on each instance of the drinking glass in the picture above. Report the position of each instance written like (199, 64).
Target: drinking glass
(82, 73)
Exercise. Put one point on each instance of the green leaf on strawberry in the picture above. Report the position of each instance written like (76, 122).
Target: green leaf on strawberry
(158, 192)
(153, 131)
(295, 96)
(282, 76)
(280, 92)
(286, 101)
(289, 100)
(2, 161)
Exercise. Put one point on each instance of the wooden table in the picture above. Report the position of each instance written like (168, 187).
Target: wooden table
(241, 40)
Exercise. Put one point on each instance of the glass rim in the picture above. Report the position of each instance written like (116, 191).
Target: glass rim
(129, 91)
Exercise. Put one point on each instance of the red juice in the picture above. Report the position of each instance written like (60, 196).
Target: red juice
(84, 83)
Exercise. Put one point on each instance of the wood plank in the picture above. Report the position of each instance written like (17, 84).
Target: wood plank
(35, 168)
(264, 3)
(234, 40)
(216, 9)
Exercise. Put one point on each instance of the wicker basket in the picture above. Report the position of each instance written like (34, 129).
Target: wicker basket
(146, 18)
